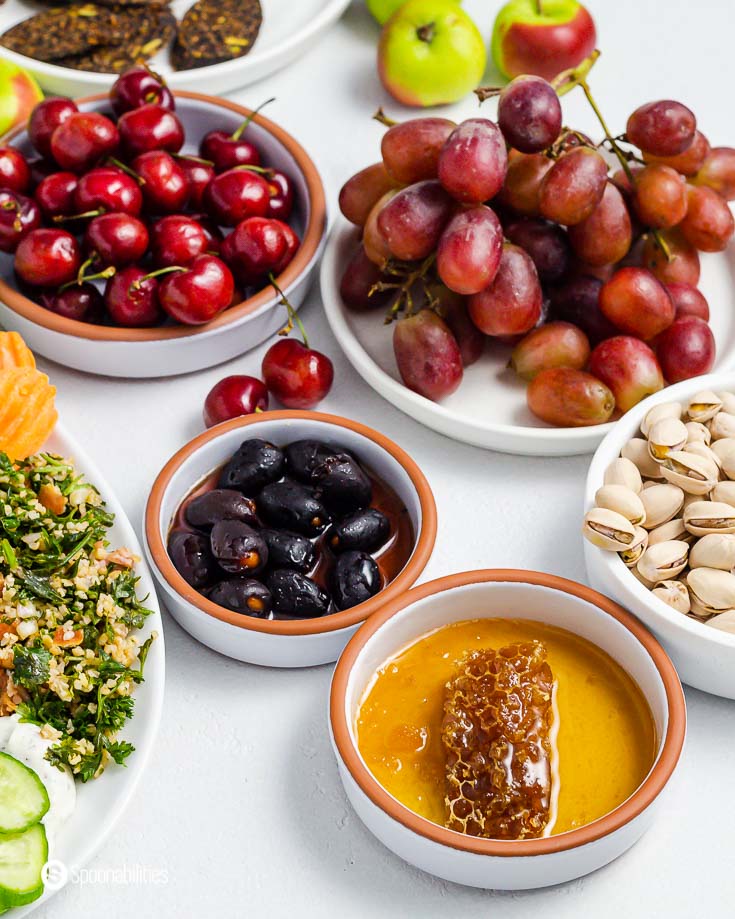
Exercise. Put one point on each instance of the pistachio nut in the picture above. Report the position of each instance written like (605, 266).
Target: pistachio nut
(636, 450)
(665, 436)
(690, 499)
(703, 406)
(659, 413)
(724, 492)
(632, 554)
(608, 530)
(624, 472)
(649, 585)
(697, 432)
(621, 499)
(699, 448)
(727, 458)
(715, 550)
(664, 560)
(702, 517)
(662, 502)
(724, 621)
(693, 474)
(728, 402)
(711, 590)
(674, 529)
(722, 425)
(674, 594)
(723, 447)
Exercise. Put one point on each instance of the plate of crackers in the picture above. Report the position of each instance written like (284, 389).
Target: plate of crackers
(79, 47)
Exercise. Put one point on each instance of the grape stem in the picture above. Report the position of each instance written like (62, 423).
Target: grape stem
(487, 92)
(408, 276)
(293, 316)
(381, 117)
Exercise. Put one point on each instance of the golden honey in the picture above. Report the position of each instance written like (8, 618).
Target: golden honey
(604, 737)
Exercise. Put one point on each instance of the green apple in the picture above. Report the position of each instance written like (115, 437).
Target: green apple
(542, 37)
(19, 92)
(430, 53)
(382, 10)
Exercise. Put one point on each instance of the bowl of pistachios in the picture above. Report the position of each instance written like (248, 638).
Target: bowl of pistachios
(659, 524)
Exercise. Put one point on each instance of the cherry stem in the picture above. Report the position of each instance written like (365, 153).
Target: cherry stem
(258, 410)
(126, 169)
(192, 158)
(381, 117)
(241, 130)
(293, 317)
(11, 204)
(81, 277)
(261, 170)
(136, 285)
(487, 92)
(61, 218)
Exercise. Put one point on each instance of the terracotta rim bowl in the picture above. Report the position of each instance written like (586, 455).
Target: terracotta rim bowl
(312, 236)
(654, 783)
(424, 545)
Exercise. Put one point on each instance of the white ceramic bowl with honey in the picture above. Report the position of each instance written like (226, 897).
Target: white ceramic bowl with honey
(522, 598)
(703, 656)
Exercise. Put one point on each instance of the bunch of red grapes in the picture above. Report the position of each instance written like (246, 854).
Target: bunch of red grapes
(520, 231)
(112, 224)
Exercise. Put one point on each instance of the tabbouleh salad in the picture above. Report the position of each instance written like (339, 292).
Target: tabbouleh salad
(69, 655)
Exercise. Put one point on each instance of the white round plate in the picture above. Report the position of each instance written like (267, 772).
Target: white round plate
(489, 408)
(101, 802)
(289, 29)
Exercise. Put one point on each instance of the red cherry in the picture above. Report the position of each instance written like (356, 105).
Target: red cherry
(234, 396)
(236, 194)
(198, 293)
(45, 119)
(108, 190)
(256, 248)
(280, 189)
(140, 86)
(199, 174)
(116, 239)
(165, 186)
(177, 240)
(227, 150)
(211, 231)
(47, 258)
(298, 376)
(15, 173)
(18, 216)
(55, 195)
(81, 302)
(150, 127)
(131, 297)
(83, 139)
(40, 168)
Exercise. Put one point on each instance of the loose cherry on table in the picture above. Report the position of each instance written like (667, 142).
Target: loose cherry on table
(236, 194)
(199, 174)
(257, 247)
(47, 258)
(164, 182)
(197, 293)
(54, 194)
(235, 396)
(107, 189)
(82, 140)
(177, 240)
(81, 302)
(18, 216)
(228, 150)
(15, 173)
(45, 119)
(131, 298)
(140, 86)
(116, 239)
(150, 127)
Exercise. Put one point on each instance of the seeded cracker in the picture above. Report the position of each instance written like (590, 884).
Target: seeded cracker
(216, 30)
(64, 31)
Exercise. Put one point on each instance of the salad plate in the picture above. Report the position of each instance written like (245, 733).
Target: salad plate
(489, 408)
(101, 802)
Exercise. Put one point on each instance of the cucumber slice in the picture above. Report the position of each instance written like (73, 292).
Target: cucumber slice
(22, 857)
(23, 796)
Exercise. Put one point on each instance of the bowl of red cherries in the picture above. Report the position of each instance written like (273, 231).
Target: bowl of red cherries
(149, 233)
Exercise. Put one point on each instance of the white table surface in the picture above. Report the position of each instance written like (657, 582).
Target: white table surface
(241, 806)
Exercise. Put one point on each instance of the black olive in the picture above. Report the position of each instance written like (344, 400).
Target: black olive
(192, 557)
(256, 464)
(296, 595)
(243, 595)
(342, 484)
(238, 548)
(220, 504)
(366, 530)
(294, 507)
(304, 456)
(355, 578)
(289, 550)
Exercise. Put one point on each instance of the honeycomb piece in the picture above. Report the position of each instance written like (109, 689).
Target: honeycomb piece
(498, 738)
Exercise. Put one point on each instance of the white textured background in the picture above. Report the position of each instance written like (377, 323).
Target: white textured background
(241, 804)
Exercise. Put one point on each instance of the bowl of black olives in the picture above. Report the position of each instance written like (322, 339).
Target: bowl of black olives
(275, 536)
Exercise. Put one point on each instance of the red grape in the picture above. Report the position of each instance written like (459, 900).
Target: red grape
(718, 172)
(412, 221)
(427, 355)
(469, 250)
(470, 339)
(376, 248)
(577, 302)
(473, 161)
(688, 301)
(681, 267)
(569, 398)
(708, 224)
(686, 349)
(605, 236)
(529, 114)
(511, 305)
(637, 303)
(410, 150)
(523, 182)
(629, 367)
(545, 242)
(360, 276)
(660, 196)
(688, 162)
(573, 187)
(360, 193)
(556, 344)
(662, 128)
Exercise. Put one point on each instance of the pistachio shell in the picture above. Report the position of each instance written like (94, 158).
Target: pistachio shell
(703, 406)
(702, 517)
(715, 550)
(608, 530)
(661, 503)
(624, 472)
(693, 474)
(727, 461)
(724, 621)
(722, 425)
(664, 560)
(674, 529)
(699, 448)
(632, 554)
(674, 594)
(649, 585)
(658, 413)
(697, 432)
(723, 446)
(690, 499)
(636, 450)
(724, 492)
(666, 435)
(728, 402)
(711, 590)
(623, 500)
